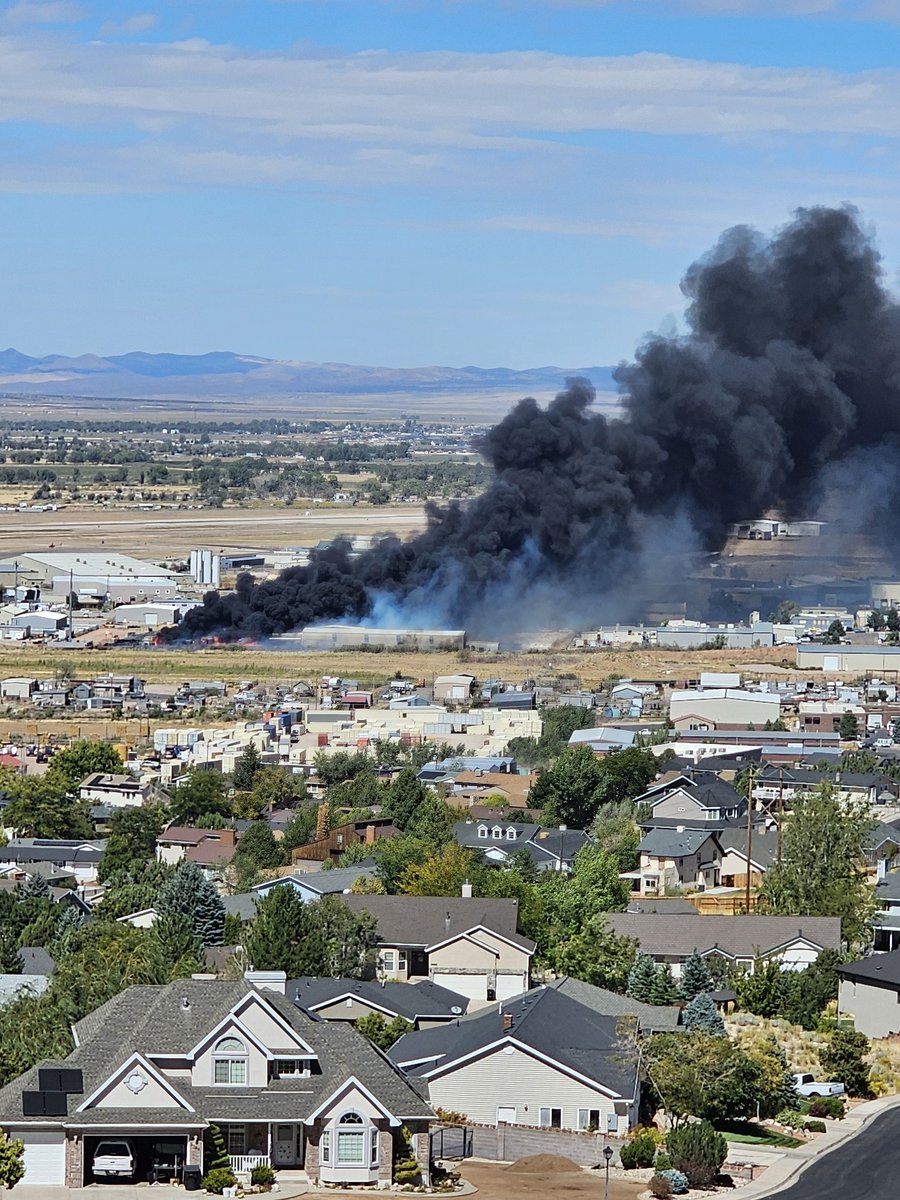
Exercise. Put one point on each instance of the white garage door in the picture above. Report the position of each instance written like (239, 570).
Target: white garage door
(473, 986)
(45, 1158)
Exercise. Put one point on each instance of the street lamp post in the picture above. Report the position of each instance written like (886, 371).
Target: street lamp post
(607, 1154)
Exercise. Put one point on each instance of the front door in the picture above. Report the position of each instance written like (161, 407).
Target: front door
(285, 1145)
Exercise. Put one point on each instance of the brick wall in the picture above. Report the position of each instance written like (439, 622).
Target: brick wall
(74, 1160)
(385, 1156)
(311, 1155)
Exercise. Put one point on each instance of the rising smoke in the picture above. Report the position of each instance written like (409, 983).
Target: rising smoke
(789, 376)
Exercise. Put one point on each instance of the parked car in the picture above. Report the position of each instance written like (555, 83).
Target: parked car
(114, 1160)
(807, 1085)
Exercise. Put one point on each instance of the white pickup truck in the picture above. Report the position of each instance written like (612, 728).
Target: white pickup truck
(807, 1085)
(114, 1160)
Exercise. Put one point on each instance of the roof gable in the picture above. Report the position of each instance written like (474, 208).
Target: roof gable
(136, 1083)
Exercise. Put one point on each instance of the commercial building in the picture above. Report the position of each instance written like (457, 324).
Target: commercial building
(722, 708)
(91, 574)
(342, 637)
(854, 660)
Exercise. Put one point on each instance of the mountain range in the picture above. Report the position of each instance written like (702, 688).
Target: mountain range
(223, 374)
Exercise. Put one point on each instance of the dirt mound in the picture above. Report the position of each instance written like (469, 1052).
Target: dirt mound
(543, 1164)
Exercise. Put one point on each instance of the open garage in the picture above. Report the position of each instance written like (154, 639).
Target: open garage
(159, 1157)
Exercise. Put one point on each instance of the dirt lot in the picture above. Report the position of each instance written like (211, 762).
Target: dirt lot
(173, 533)
(496, 1182)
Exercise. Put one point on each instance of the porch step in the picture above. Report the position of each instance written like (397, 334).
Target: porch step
(291, 1175)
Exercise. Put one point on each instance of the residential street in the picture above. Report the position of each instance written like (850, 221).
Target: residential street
(866, 1168)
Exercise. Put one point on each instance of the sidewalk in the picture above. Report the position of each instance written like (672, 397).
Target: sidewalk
(783, 1166)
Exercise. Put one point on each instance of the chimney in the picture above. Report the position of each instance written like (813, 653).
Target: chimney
(507, 1021)
(466, 890)
(267, 981)
(370, 835)
(446, 922)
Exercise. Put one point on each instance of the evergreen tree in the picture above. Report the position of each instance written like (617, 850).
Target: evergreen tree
(188, 893)
(270, 939)
(703, 1016)
(695, 978)
(258, 847)
(35, 887)
(323, 821)
(641, 979)
(67, 927)
(246, 767)
(664, 989)
(176, 935)
(404, 796)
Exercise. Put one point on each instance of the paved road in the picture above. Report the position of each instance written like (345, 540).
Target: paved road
(866, 1168)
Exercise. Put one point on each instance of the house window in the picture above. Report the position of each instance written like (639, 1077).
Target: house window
(235, 1139)
(389, 960)
(589, 1118)
(496, 833)
(510, 834)
(401, 960)
(351, 1140)
(373, 1148)
(551, 1118)
(482, 831)
(230, 1062)
(325, 1146)
(285, 1068)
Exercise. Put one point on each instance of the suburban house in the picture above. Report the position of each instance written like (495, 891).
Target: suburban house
(689, 799)
(869, 992)
(886, 922)
(467, 945)
(499, 840)
(794, 942)
(542, 1059)
(476, 786)
(36, 968)
(782, 784)
(158, 1064)
(316, 884)
(114, 791)
(423, 1004)
(352, 833)
(688, 859)
(204, 846)
(69, 856)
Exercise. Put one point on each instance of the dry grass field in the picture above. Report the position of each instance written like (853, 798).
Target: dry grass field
(587, 668)
(173, 533)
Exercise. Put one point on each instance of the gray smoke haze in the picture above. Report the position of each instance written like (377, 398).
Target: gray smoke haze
(788, 378)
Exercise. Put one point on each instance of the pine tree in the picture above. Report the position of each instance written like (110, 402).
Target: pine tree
(271, 938)
(695, 978)
(178, 940)
(703, 1016)
(664, 989)
(215, 1152)
(246, 767)
(35, 887)
(641, 979)
(187, 892)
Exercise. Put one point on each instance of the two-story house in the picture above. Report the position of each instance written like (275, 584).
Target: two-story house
(113, 791)
(467, 945)
(498, 840)
(158, 1065)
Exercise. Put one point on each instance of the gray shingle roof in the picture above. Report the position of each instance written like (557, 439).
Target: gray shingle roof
(763, 850)
(650, 1017)
(155, 1020)
(660, 934)
(408, 1000)
(548, 1021)
(879, 970)
(428, 920)
(670, 843)
(333, 882)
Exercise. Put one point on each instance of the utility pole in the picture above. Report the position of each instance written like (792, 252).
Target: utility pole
(749, 837)
(71, 585)
(780, 812)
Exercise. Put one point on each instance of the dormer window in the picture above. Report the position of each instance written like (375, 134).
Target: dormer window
(496, 833)
(482, 831)
(230, 1062)
(510, 834)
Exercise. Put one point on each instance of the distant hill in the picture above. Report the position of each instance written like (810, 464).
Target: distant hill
(225, 375)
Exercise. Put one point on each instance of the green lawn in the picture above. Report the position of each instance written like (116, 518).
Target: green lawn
(752, 1134)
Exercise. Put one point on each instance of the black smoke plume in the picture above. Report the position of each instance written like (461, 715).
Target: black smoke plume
(791, 365)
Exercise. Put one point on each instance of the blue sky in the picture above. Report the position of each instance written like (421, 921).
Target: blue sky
(412, 182)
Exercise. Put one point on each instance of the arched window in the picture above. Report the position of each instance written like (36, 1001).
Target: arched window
(356, 1145)
(230, 1061)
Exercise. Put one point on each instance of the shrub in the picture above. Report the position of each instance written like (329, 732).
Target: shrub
(827, 1106)
(449, 1116)
(677, 1180)
(663, 1161)
(814, 1126)
(262, 1175)
(218, 1179)
(660, 1187)
(639, 1152)
(697, 1150)
(844, 1059)
(790, 1118)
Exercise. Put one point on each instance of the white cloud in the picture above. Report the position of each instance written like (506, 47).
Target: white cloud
(139, 23)
(42, 12)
